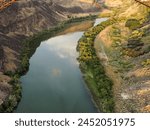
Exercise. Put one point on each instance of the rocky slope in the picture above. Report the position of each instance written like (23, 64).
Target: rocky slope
(23, 19)
(84, 4)
(127, 46)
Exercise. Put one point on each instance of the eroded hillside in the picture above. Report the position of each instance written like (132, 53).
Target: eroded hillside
(127, 46)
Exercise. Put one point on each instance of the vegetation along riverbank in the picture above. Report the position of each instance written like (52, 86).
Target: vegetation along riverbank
(99, 84)
(29, 47)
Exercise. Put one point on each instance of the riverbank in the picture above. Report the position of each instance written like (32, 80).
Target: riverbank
(29, 47)
(93, 71)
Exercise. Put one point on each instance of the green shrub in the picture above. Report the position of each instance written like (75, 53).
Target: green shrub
(94, 74)
(132, 24)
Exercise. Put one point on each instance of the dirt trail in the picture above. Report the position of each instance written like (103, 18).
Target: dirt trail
(101, 51)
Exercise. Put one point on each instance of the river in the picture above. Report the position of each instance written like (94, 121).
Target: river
(54, 82)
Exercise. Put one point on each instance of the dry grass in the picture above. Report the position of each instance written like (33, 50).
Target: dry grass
(146, 108)
(113, 3)
(105, 37)
(4, 78)
(78, 27)
(86, 1)
(11, 60)
(140, 72)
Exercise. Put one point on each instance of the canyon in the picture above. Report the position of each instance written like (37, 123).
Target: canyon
(123, 46)
(24, 19)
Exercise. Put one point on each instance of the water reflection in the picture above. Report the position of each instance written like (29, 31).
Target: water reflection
(54, 82)
(56, 72)
(64, 46)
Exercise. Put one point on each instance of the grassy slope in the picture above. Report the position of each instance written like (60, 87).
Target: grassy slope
(131, 65)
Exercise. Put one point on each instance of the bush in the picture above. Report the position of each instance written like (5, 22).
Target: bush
(132, 24)
(146, 62)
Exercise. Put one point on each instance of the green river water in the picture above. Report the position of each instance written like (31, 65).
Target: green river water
(54, 82)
